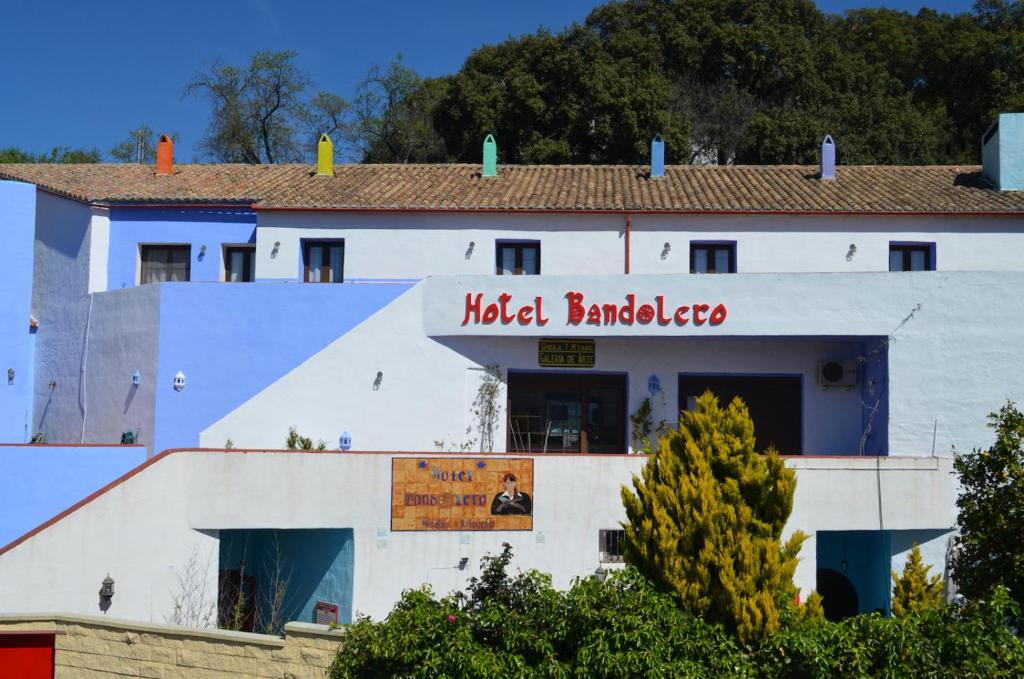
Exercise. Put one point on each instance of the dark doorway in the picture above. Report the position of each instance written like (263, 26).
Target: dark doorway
(774, 403)
(562, 413)
(838, 595)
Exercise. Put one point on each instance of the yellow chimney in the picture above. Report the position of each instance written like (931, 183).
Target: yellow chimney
(325, 157)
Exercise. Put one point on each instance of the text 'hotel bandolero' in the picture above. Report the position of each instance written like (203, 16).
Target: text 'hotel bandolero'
(580, 310)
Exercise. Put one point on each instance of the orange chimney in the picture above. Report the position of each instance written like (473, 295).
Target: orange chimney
(165, 155)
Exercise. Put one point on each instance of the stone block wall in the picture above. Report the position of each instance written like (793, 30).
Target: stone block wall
(90, 647)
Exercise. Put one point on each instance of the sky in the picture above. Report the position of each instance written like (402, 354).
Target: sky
(82, 74)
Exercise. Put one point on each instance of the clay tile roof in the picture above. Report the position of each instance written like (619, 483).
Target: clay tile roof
(577, 188)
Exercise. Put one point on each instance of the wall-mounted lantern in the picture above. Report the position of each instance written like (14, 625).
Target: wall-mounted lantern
(469, 250)
(106, 592)
(378, 380)
(202, 253)
(346, 441)
(653, 384)
(667, 248)
(273, 252)
(179, 381)
(10, 376)
(136, 378)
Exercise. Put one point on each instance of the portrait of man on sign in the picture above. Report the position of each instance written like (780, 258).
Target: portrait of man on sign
(511, 500)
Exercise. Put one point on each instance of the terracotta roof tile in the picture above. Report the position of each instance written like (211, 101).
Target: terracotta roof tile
(577, 188)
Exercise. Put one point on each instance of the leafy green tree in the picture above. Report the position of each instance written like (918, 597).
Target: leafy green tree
(263, 112)
(62, 154)
(913, 591)
(989, 550)
(706, 521)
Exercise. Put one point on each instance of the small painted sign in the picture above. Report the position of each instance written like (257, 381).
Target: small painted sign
(461, 494)
(326, 613)
(566, 353)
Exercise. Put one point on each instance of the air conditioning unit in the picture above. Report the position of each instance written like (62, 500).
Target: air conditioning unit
(837, 374)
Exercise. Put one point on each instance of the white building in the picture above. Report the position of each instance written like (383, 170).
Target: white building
(869, 322)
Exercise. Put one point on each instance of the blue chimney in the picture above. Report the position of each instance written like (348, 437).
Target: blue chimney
(828, 158)
(1002, 152)
(657, 157)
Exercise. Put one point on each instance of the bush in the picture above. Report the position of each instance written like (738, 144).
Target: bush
(520, 626)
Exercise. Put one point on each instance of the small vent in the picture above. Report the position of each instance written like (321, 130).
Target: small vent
(610, 545)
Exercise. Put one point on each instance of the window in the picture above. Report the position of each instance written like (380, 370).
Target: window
(161, 263)
(518, 258)
(566, 413)
(324, 261)
(775, 404)
(911, 257)
(610, 544)
(712, 257)
(239, 263)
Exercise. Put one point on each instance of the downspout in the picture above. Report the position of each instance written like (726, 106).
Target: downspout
(629, 219)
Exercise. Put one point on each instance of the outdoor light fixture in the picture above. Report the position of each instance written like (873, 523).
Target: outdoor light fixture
(851, 252)
(179, 381)
(136, 378)
(653, 385)
(277, 246)
(462, 563)
(10, 376)
(346, 441)
(667, 248)
(469, 250)
(202, 253)
(105, 593)
(378, 380)
(53, 384)
(600, 574)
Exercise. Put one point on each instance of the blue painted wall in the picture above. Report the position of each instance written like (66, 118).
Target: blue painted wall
(317, 564)
(18, 207)
(39, 482)
(874, 390)
(129, 227)
(232, 340)
(866, 554)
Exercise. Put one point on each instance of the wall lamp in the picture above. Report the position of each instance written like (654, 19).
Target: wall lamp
(202, 253)
(378, 380)
(469, 250)
(106, 592)
(10, 376)
(667, 248)
(346, 441)
(273, 252)
(179, 381)
(463, 562)
(851, 252)
(136, 378)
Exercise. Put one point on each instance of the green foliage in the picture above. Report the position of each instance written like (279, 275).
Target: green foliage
(139, 146)
(296, 441)
(56, 155)
(989, 550)
(519, 626)
(913, 591)
(706, 521)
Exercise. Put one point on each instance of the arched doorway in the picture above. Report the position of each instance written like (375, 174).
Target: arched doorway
(839, 596)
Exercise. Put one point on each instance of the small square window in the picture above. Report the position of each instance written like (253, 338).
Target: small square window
(239, 263)
(165, 263)
(712, 257)
(610, 545)
(324, 261)
(518, 259)
(911, 257)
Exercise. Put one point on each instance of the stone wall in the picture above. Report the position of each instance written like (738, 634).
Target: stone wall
(90, 647)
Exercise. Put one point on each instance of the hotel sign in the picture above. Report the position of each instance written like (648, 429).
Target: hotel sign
(566, 353)
(461, 493)
(580, 310)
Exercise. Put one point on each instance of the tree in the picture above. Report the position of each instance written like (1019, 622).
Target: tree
(139, 146)
(706, 521)
(61, 154)
(261, 113)
(913, 591)
(989, 550)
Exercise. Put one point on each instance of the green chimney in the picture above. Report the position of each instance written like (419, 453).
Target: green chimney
(490, 157)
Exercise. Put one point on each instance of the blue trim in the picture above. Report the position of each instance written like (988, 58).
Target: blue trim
(932, 252)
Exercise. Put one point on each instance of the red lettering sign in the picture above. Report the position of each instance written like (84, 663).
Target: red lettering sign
(505, 311)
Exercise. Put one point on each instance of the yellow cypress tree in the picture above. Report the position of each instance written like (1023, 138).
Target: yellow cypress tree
(914, 591)
(706, 521)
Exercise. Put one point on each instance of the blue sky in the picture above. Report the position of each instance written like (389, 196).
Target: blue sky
(76, 73)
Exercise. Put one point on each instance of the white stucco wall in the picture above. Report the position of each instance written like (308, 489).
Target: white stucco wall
(144, 531)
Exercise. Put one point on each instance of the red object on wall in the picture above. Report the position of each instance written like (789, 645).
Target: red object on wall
(26, 656)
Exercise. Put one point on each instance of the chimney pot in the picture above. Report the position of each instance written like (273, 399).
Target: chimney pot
(165, 155)
(490, 168)
(657, 157)
(828, 158)
(325, 157)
